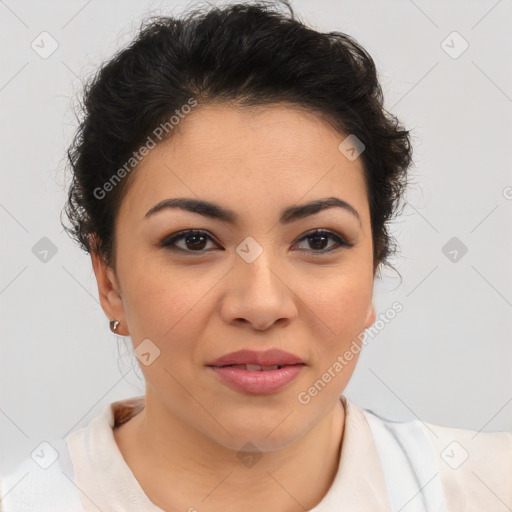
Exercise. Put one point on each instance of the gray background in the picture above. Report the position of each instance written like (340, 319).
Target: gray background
(445, 359)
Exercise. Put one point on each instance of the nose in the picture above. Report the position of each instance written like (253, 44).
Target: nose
(259, 295)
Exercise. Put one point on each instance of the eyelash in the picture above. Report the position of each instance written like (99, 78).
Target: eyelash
(169, 242)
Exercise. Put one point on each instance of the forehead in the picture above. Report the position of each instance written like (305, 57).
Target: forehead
(247, 156)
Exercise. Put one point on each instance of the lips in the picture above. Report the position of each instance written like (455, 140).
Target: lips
(254, 360)
(257, 382)
(257, 372)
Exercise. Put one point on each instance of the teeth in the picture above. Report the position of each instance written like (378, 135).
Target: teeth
(258, 368)
(253, 367)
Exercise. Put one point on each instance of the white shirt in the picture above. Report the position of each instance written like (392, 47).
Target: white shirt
(456, 469)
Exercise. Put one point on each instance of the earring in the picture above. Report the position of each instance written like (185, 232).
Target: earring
(114, 324)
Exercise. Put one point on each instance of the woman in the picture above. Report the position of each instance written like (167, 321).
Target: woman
(232, 180)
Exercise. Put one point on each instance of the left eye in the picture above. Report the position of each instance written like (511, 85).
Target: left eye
(195, 241)
(319, 237)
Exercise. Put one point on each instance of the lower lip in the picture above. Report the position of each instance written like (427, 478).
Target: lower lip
(261, 382)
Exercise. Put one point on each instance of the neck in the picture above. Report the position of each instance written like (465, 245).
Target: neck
(160, 449)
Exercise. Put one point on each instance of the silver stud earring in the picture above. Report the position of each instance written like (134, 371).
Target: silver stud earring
(114, 324)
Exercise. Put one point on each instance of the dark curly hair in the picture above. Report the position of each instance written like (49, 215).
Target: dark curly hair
(248, 54)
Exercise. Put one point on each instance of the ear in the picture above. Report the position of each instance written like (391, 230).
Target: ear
(109, 292)
(370, 316)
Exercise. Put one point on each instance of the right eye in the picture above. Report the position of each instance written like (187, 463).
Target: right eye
(194, 241)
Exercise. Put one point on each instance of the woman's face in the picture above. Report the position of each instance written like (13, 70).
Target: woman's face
(254, 282)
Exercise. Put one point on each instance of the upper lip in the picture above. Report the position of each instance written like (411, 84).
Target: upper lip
(269, 357)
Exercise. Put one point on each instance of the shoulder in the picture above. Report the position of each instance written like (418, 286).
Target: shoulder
(475, 467)
(42, 482)
(47, 479)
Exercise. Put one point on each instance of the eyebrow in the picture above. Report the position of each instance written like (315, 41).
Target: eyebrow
(215, 211)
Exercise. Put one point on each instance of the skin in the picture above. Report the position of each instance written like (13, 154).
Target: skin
(196, 308)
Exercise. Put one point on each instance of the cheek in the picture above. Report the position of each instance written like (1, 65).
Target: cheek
(166, 304)
(340, 309)
(170, 311)
(340, 304)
